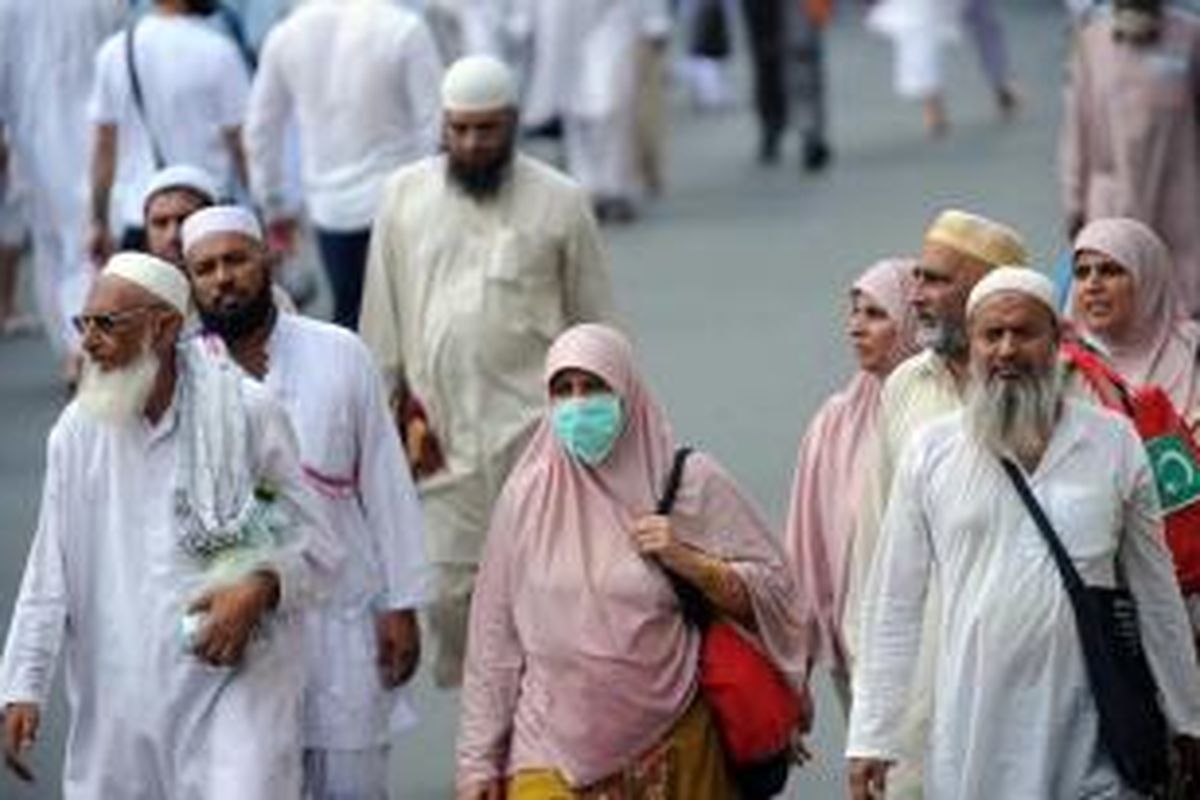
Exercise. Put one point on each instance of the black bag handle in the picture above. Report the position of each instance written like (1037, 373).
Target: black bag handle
(139, 102)
(692, 603)
(1066, 567)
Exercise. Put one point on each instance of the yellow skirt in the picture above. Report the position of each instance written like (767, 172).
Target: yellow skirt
(688, 764)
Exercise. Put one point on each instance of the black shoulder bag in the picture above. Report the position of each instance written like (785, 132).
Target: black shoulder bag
(1133, 730)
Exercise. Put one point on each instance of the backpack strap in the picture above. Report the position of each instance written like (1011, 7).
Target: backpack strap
(139, 101)
(666, 500)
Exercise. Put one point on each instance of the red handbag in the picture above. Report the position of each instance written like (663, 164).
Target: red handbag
(1173, 453)
(754, 708)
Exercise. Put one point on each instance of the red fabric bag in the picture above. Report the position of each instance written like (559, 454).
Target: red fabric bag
(1172, 450)
(755, 709)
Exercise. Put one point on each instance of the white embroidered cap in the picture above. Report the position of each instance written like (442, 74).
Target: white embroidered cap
(478, 83)
(1012, 279)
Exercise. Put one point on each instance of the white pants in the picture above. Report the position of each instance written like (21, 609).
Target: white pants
(601, 154)
(346, 774)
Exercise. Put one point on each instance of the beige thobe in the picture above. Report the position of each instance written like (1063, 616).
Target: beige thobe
(1130, 141)
(917, 392)
(462, 300)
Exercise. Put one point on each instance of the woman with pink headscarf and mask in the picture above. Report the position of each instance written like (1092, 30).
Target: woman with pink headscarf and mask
(1126, 301)
(581, 673)
(821, 524)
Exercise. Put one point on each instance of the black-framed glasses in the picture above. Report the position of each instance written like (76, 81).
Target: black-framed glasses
(107, 322)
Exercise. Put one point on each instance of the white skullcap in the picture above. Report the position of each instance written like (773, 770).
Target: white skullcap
(182, 176)
(220, 219)
(478, 83)
(161, 278)
(1012, 279)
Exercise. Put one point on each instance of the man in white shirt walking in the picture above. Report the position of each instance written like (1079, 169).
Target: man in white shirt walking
(361, 79)
(363, 646)
(169, 90)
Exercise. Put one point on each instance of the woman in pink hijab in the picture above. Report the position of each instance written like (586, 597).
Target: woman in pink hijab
(821, 524)
(581, 673)
(1125, 298)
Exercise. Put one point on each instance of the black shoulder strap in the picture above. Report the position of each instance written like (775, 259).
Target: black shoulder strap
(135, 87)
(1062, 559)
(666, 501)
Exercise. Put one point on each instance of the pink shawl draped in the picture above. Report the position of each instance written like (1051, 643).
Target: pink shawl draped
(1162, 344)
(578, 658)
(823, 513)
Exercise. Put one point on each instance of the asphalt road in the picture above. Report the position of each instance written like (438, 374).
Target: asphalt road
(733, 288)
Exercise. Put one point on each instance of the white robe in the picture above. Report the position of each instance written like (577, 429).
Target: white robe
(107, 583)
(325, 379)
(1013, 712)
(463, 300)
(52, 43)
(584, 70)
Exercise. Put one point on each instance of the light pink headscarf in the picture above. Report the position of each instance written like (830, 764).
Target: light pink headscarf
(823, 513)
(578, 658)
(1162, 344)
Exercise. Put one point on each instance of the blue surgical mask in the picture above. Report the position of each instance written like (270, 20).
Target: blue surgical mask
(588, 426)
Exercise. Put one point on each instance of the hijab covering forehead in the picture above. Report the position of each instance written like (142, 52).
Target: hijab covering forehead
(987, 240)
(623, 660)
(821, 524)
(889, 283)
(1162, 342)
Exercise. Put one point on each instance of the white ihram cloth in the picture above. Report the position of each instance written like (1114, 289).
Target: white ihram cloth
(52, 43)
(194, 84)
(107, 583)
(1014, 716)
(325, 379)
(463, 300)
(361, 79)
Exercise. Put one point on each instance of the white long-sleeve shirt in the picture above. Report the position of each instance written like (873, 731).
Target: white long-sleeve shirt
(107, 583)
(325, 378)
(1014, 716)
(362, 79)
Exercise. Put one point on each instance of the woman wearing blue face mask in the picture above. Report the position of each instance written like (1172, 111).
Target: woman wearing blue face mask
(581, 673)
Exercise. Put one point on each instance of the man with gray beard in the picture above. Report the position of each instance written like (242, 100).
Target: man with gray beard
(959, 248)
(176, 545)
(1014, 715)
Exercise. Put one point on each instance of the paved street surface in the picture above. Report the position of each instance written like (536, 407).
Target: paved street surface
(733, 288)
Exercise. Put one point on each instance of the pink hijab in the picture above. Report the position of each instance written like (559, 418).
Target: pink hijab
(1163, 343)
(578, 658)
(822, 518)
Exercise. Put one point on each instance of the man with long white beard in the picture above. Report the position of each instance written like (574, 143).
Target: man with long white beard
(1014, 714)
(363, 646)
(176, 546)
(479, 258)
(959, 248)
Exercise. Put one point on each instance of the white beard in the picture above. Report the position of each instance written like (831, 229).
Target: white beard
(1014, 417)
(118, 396)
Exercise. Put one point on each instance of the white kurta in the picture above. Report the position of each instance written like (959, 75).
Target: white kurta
(107, 583)
(1014, 716)
(463, 300)
(52, 43)
(361, 78)
(325, 379)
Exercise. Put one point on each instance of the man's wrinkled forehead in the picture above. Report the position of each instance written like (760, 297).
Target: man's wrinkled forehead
(221, 244)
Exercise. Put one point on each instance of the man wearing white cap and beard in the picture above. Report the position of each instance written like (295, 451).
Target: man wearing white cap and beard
(480, 257)
(1014, 715)
(959, 249)
(363, 645)
(165, 471)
